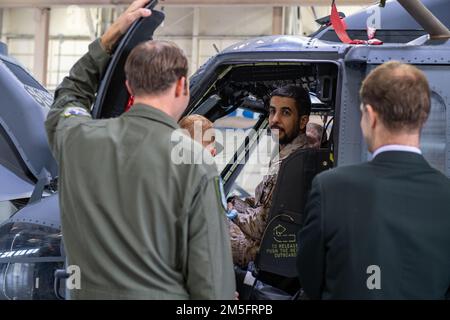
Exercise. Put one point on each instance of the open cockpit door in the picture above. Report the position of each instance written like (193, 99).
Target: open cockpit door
(112, 97)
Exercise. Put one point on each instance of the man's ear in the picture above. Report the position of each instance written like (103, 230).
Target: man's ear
(181, 87)
(303, 122)
(372, 116)
(186, 86)
(127, 84)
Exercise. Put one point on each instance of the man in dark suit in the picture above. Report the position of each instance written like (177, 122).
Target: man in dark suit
(381, 229)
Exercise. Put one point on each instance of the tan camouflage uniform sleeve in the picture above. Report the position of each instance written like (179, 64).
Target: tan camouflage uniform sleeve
(248, 227)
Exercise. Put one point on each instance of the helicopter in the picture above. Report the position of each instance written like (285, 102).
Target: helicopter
(232, 84)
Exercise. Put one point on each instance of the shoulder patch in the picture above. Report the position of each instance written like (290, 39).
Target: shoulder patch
(75, 111)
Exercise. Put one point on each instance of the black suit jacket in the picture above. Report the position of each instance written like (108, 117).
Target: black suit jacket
(392, 213)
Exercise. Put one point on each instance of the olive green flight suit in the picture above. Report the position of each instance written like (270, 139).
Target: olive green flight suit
(138, 224)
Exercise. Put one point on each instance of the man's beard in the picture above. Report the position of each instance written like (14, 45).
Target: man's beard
(288, 138)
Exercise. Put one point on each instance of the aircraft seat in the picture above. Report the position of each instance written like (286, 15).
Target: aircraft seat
(275, 264)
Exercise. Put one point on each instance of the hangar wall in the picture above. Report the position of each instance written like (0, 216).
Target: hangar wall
(198, 30)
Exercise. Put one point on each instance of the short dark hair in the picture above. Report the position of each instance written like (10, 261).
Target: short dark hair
(299, 94)
(400, 94)
(153, 66)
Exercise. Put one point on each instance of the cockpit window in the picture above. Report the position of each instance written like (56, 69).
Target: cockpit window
(231, 130)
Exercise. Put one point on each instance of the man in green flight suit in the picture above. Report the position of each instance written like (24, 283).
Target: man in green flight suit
(137, 224)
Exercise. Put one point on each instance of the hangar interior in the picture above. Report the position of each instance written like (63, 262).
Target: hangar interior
(52, 35)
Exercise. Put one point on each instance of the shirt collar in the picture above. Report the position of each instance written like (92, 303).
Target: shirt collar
(149, 112)
(396, 147)
(299, 142)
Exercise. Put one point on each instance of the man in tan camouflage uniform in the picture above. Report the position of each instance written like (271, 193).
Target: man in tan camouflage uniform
(314, 133)
(288, 116)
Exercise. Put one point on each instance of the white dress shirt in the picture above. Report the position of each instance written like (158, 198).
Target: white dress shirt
(396, 147)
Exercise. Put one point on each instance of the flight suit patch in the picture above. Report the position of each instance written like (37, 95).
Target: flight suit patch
(75, 111)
